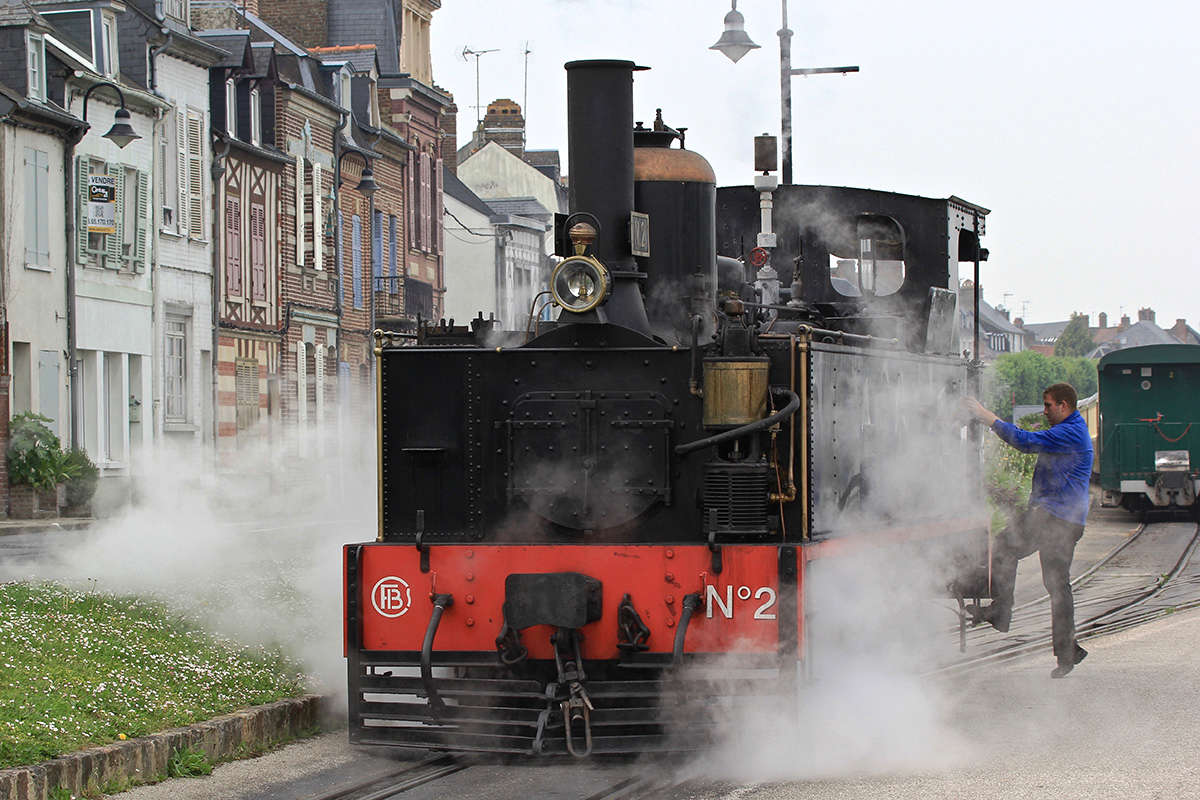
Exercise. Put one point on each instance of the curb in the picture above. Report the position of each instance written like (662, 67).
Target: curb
(139, 760)
(16, 527)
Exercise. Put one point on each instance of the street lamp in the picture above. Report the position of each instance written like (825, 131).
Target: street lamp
(734, 43)
(366, 181)
(121, 133)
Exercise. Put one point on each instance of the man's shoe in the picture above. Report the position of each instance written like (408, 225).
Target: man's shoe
(1062, 670)
(989, 614)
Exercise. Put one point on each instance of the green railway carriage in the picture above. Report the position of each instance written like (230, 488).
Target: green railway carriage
(1150, 427)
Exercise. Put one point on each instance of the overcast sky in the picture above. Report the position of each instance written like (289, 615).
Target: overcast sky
(1075, 123)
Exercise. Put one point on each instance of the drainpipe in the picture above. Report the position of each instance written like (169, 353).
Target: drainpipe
(71, 192)
(154, 51)
(218, 193)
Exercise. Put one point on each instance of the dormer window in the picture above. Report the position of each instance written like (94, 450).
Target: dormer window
(231, 108)
(177, 9)
(373, 102)
(255, 118)
(108, 60)
(36, 49)
(344, 95)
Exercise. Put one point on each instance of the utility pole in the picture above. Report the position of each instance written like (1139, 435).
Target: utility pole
(525, 95)
(467, 52)
(785, 89)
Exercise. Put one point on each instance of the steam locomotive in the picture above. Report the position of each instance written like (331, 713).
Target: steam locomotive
(575, 512)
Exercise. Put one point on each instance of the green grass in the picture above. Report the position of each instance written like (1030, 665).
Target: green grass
(80, 668)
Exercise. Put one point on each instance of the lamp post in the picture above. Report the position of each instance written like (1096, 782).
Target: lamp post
(735, 43)
(366, 181)
(121, 133)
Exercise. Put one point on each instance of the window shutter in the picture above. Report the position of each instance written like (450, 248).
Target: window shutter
(339, 249)
(31, 206)
(411, 199)
(181, 172)
(302, 381)
(143, 223)
(300, 211)
(258, 252)
(318, 234)
(356, 258)
(392, 248)
(114, 252)
(195, 166)
(377, 246)
(233, 247)
(425, 209)
(438, 244)
(81, 200)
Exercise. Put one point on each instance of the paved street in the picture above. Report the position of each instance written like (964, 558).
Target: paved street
(1123, 725)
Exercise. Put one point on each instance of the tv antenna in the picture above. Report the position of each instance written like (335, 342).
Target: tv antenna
(467, 52)
(1025, 310)
(1005, 296)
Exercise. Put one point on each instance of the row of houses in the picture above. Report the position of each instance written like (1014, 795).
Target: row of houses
(1000, 334)
(207, 208)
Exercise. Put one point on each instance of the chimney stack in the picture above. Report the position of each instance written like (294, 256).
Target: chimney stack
(1103, 319)
(1145, 315)
(1124, 322)
(1179, 330)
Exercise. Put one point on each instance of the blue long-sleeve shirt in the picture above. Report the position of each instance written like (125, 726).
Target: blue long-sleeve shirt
(1064, 465)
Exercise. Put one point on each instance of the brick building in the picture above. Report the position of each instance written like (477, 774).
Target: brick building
(334, 103)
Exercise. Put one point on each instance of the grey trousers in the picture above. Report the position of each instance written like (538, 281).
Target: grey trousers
(1054, 540)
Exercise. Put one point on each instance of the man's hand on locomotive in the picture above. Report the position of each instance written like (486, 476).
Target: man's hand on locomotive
(976, 410)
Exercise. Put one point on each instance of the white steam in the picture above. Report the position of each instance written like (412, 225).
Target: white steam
(889, 453)
(250, 547)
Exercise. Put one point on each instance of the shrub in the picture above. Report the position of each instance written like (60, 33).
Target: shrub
(35, 456)
(82, 486)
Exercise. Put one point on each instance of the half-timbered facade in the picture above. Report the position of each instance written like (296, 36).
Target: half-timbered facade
(247, 209)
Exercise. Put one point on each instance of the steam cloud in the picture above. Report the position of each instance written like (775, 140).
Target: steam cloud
(251, 549)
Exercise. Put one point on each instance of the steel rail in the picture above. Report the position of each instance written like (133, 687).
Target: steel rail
(397, 782)
(1096, 625)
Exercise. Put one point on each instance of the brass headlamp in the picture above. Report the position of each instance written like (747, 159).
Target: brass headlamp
(580, 282)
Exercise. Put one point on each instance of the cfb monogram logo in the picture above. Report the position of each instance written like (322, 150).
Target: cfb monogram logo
(391, 596)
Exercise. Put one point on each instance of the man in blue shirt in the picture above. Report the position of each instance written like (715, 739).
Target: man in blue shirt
(1058, 507)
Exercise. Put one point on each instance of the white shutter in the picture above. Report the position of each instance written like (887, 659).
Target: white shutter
(31, 206)
(181, 172)
(300, 211)
(114, 251)
(318, 234)
(81, 203)
(301, 383)
(195, 170)
(143, 221)
(438, 209)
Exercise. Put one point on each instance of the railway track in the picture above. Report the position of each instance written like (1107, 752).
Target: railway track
(397, 782)
(1151, 574)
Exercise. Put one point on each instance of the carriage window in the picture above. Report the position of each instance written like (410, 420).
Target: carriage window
(872, 262)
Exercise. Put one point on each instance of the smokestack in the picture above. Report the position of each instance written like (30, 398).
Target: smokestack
(600, 137)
